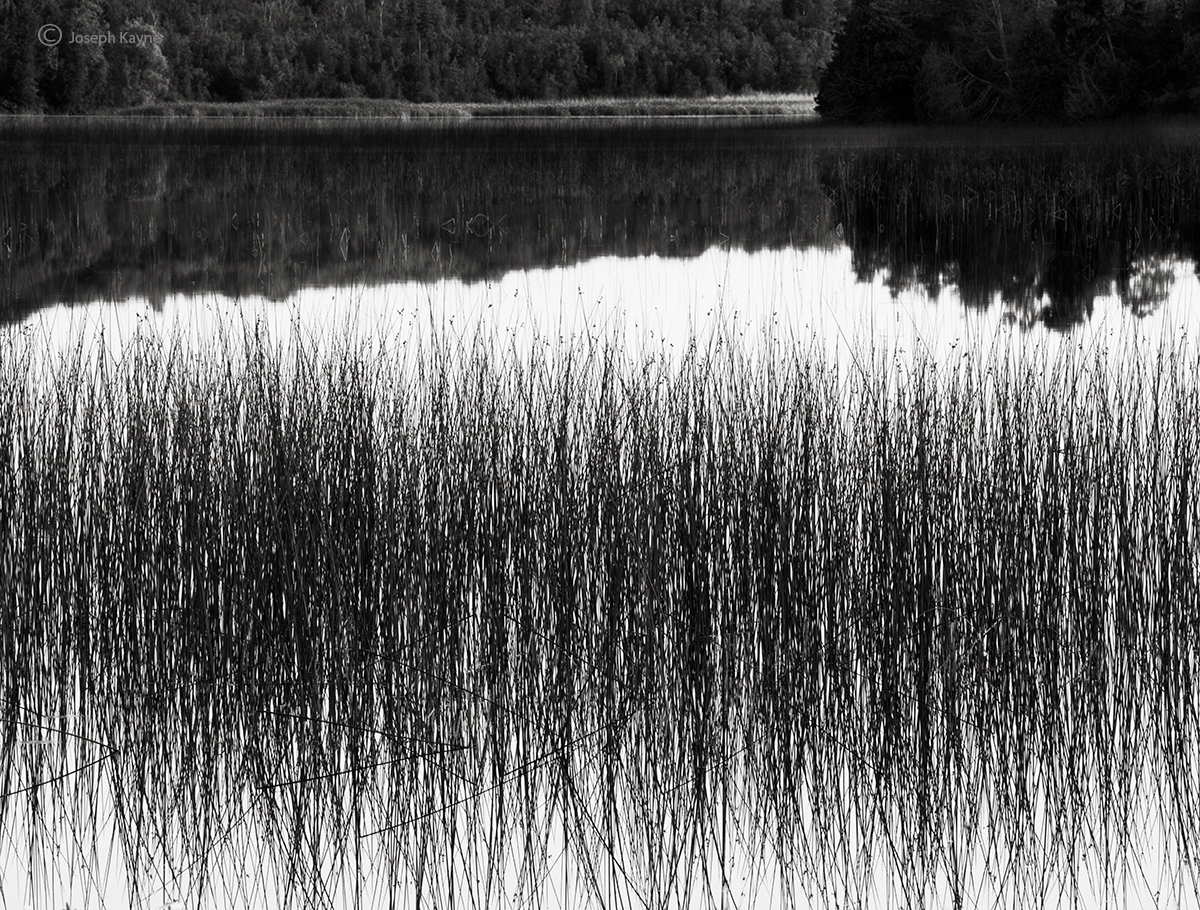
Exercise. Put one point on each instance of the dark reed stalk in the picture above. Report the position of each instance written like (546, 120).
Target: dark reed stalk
(474, 621)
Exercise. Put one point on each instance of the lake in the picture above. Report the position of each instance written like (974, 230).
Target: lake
(687, 513)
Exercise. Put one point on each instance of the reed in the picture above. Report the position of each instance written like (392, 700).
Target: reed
(759, 105)
(437, 617)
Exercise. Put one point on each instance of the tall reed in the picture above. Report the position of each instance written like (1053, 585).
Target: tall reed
(412, 614)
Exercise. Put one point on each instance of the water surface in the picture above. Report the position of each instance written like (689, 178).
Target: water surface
(682, 516)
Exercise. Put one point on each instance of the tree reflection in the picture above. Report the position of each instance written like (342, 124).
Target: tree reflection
(1044, 230)
(1039, 225)
(1145, 284)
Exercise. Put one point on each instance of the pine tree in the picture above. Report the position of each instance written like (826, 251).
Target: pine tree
(876, 58)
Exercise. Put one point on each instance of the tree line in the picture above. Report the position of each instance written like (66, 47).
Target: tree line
(934, 60)
(964, 60)
(417, 50)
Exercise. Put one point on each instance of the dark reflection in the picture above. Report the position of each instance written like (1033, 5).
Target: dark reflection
(1044, 223)
(248, 212)
(1043, 228)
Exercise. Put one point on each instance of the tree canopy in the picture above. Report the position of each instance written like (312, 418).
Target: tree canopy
(934, 60)
(1013, 60)
(418, 50)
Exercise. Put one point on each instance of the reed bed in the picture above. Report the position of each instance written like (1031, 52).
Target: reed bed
(761, 104)
(582, 627)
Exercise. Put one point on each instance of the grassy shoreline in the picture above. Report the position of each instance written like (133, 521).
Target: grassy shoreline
(751, 105)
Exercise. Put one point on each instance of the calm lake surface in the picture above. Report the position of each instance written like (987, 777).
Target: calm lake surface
(332, 577)
(1039, 229)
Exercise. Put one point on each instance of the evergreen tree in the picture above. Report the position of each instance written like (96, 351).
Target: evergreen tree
(876, 59)
(76, 77)
(22, 55)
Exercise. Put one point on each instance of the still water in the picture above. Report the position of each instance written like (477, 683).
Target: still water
(917, 239)
(901, 246)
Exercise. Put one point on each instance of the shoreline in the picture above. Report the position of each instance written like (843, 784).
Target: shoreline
(749, 106)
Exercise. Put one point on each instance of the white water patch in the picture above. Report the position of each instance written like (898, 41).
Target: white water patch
(82, 854)
(653, 307)
(575, 848)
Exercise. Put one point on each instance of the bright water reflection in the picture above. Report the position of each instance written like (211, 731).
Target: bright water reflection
(1044, 220)
(586, 845)
(768, 599)
(561, 840)
(806, 299)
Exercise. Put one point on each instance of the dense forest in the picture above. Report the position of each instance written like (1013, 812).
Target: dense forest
(418, 50)
(936, 60)
(960, 60)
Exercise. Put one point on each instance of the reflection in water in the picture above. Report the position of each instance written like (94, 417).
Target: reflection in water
(1045, 223)
(655, 307)
(607, 519)
(572, 628)
(1046, 230)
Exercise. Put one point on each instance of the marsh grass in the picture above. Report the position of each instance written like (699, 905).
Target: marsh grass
(579, 626)
(746, 105)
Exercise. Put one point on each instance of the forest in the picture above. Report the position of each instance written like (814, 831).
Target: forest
(416, 50)
(1006, 60)
(867, 60)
